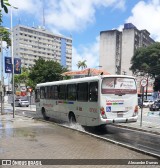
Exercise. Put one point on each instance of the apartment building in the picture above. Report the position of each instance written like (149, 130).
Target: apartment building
(31, 43)
(118, 47)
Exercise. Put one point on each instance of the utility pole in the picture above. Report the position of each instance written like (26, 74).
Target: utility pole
(2, 81)
(12, 65)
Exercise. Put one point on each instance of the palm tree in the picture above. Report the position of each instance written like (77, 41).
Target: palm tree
(82, 64)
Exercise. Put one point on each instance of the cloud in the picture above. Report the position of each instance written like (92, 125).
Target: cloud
(146, 15)
(70, 15)
(89, 53)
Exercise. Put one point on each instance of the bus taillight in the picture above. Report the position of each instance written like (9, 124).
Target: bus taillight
(135, 111)
(103, 112)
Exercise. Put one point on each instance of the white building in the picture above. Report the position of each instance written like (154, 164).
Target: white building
(30, 43)
(117, 48)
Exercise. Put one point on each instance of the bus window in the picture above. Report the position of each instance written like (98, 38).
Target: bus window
(82, 92)
(55, 92)
(42, 92)
(119, 86)
(37, 95)
(48, 92)
(71, 92)
(51, 92)
(93, 91)
(62, 92)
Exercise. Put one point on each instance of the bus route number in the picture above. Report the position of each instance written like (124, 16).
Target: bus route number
(93, 110)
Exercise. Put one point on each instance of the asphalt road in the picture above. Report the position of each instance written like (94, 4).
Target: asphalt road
(141, 140)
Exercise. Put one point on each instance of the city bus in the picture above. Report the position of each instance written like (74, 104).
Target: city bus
(89, 101)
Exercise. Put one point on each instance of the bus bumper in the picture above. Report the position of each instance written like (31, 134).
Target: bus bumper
(120, 120)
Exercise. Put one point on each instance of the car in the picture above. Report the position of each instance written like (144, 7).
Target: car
(147, 103)
(21, 103)
(155, 106)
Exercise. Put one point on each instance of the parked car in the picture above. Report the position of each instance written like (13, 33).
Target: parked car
(21, 103)
(147, 103)
(155, 106)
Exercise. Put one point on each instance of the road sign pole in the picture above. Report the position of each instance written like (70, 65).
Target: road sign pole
(142, 105)
(143, 84)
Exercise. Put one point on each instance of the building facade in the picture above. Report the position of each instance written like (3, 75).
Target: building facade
(118, 47)
(31, 43)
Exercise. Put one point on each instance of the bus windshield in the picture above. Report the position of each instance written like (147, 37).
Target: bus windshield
(120, 85)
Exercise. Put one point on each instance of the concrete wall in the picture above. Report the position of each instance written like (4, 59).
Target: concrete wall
(127, 50)
(107, 51)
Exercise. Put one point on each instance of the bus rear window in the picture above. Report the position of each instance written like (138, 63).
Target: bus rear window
(118, 86)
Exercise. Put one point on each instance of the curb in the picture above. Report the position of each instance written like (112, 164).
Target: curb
(137, 129)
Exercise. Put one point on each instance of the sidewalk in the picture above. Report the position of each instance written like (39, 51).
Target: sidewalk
(150, 122)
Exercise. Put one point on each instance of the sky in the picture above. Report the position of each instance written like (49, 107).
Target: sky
(84, 19)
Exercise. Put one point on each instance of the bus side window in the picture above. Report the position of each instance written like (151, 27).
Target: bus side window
(48, 92)
(55, 94)
(62, 92)
(51, 92)
(93, 92)
(37, 95)
(42, 92)
(82, 91)
(71, 92)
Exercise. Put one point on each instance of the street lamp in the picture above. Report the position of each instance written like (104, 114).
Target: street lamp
(2, 80)
(12, 65)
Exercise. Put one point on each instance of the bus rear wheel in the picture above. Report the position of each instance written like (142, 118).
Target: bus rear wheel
(44, 114)
(72, 118)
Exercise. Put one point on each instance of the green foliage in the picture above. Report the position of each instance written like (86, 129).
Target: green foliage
(82, 64)
(66, 77)
(5, 35)
(45, 71)
(4, 4)
(22, 78)
(147, 61)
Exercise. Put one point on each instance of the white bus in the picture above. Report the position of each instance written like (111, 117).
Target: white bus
(89, 101)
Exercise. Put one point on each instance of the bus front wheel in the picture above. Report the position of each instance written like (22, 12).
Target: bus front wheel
(44, 114)
(72, 118)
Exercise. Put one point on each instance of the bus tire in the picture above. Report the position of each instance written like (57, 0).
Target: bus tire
(72, 118)
(44, 114)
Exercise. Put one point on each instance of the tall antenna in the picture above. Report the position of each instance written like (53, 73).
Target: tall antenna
(43, 15)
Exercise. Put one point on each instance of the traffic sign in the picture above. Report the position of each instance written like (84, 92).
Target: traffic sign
(143, 82)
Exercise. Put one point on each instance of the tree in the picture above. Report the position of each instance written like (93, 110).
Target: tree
(146, 61)
(22, 78)
(4, 5)
(82, 64)
(45, 71)
(5, 35)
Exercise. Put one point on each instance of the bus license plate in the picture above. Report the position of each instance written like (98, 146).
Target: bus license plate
(119, 114)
